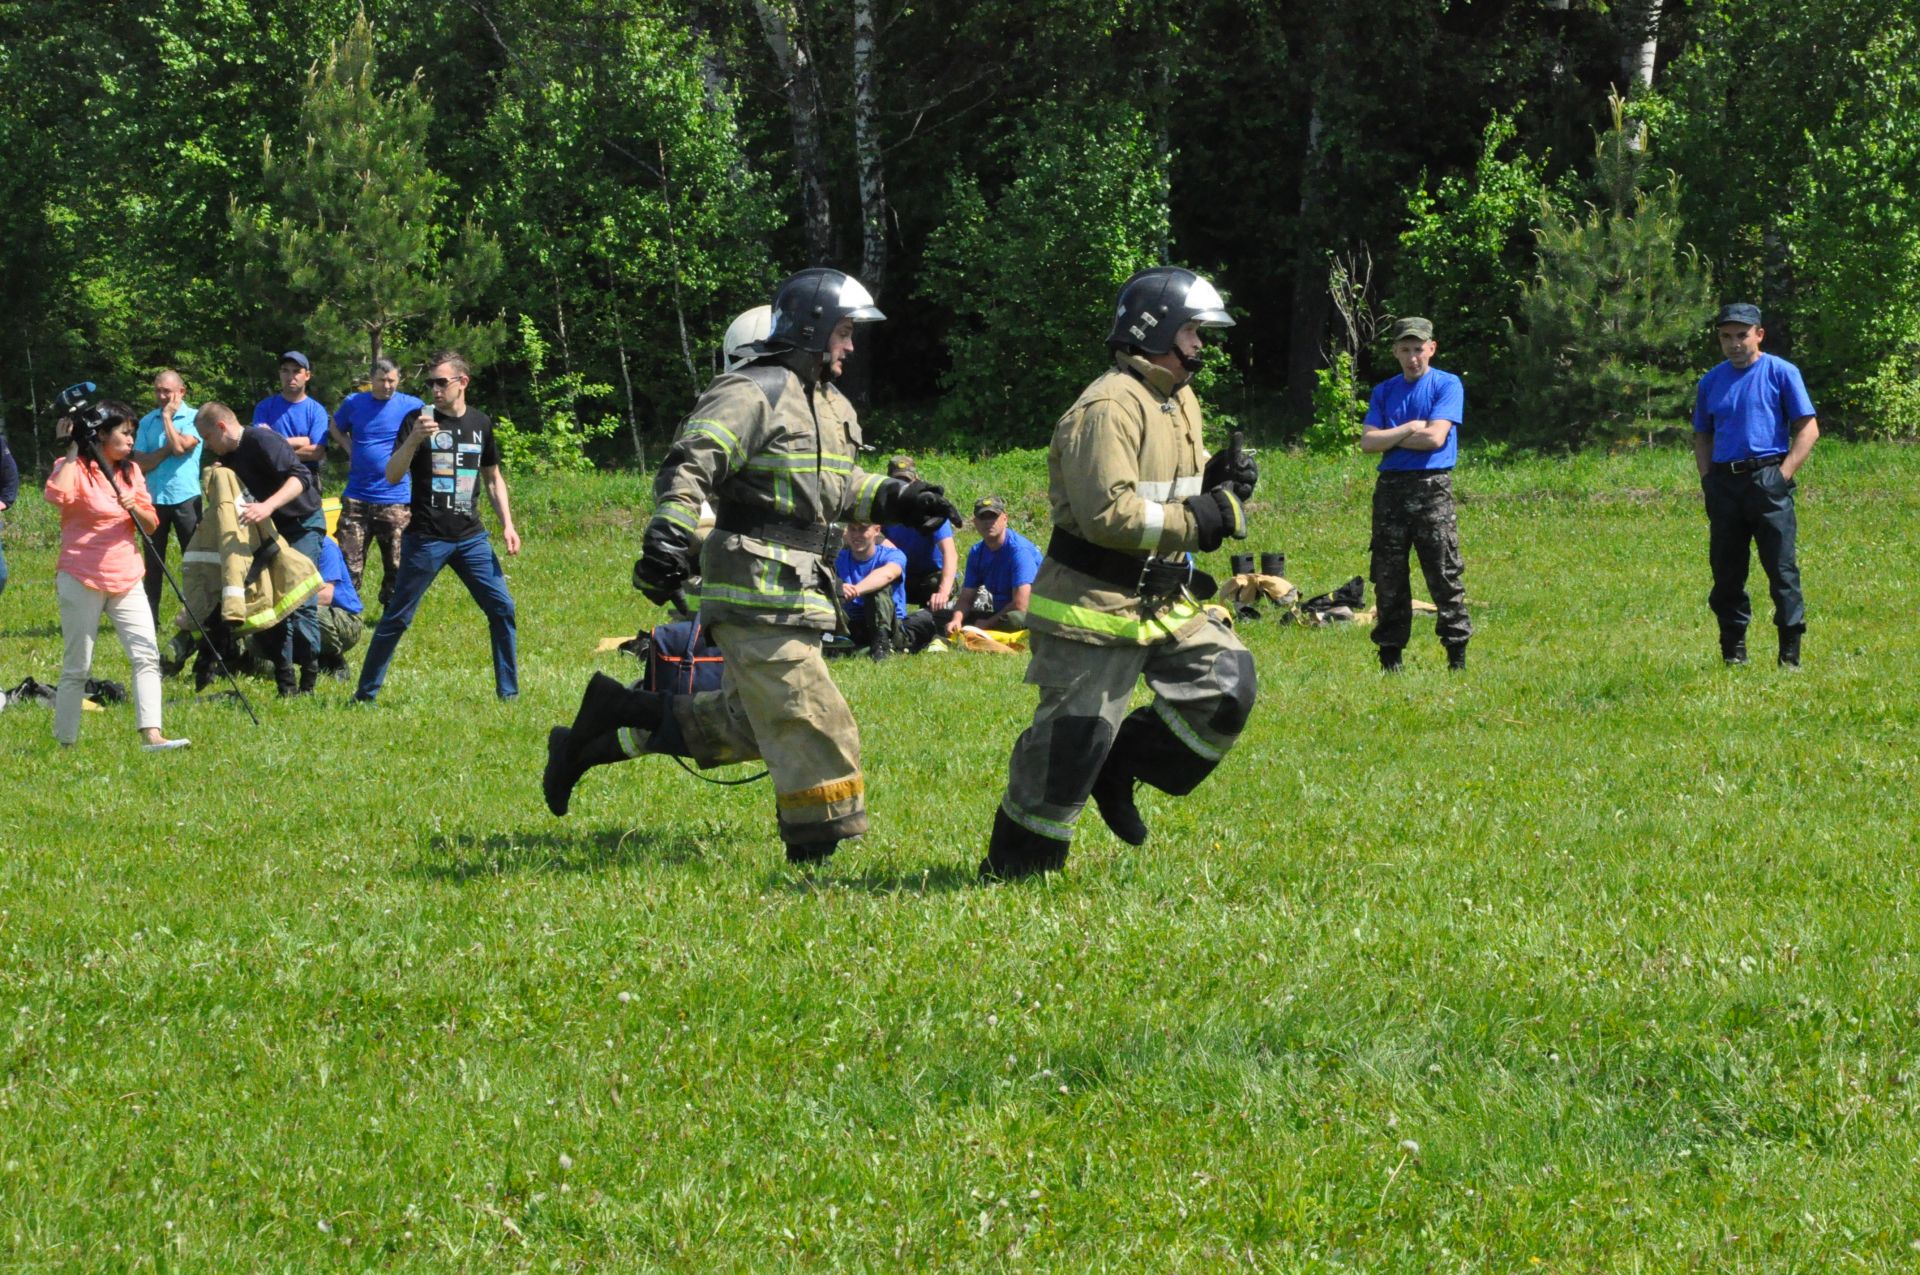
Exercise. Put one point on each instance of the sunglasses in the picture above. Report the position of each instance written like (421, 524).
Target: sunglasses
(441, 382)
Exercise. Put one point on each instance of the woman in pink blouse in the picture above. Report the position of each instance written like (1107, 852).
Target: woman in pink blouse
(101, 570)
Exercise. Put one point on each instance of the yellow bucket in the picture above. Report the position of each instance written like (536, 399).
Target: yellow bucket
(330, 506)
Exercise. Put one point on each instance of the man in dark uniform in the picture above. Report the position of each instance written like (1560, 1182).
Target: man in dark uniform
(1753, 427)
(1413, 420)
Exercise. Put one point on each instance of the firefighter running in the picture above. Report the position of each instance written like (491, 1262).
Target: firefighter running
(1132, 491)
(771, 445)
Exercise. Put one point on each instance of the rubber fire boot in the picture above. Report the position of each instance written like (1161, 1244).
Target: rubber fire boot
(1389, 659)
(607, 705)
(1456, 655)
(1014, 852)
(564, 768)
(1733, 646)
(811, 851)
(1113, 797)
(1789, 648)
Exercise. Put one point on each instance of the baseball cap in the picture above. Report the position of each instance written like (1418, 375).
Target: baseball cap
(989, 505)
(1414, 326)
(1739, 312)
(903, 467)
(294, 356)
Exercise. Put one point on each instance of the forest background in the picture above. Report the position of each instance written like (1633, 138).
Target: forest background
(583, 193)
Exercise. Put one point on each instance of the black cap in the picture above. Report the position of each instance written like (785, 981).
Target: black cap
(1739, 312)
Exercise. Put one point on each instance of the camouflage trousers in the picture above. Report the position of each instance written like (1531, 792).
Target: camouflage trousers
(777, 702)
(360, 519)
(1414, 511)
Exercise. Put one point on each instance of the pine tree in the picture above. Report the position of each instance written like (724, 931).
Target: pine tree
(1612, 329)
(352, 247)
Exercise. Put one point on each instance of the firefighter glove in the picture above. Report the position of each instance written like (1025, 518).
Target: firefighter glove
(919, 505)
(1235, 469)
(665, 563)
(1216, 515)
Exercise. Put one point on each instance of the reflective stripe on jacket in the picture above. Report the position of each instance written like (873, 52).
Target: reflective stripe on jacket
(794, 462)
(1123, 460)
(216, 563)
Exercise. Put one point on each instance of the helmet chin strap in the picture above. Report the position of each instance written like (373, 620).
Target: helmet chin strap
(1192, 363)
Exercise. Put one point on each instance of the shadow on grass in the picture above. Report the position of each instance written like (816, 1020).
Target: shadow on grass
(36, 631)
(941, 879)
(460, 857)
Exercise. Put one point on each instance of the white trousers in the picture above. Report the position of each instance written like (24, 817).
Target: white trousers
(80, 609)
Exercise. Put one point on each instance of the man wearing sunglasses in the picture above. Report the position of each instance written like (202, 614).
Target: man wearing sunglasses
(447, 451)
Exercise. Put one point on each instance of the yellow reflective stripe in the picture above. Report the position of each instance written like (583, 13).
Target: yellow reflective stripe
(679, 515)
(734, 595)
(827, 794)
(282, 607)
(1035, 824)
(718, 433)
(863, 497)
(1179, 727)
(1160, 626)
(801, 460)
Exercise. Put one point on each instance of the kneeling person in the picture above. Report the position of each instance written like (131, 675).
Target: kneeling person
(873, 591)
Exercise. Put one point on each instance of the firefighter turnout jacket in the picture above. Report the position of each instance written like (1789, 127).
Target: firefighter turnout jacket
(1123, 460)
(248, 576)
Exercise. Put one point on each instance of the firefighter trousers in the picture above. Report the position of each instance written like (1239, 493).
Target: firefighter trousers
(778, 703)
(1203, 691)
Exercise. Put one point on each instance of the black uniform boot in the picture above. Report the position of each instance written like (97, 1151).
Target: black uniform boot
(1389, 659)
(1733, 645)
(1789, 648)
(811, 851)
(565, 764)
(882, 646)
(1113, 797)
(286, 679)
(309, 677)
(607, 705)
(1456, 655)
(1014, 852)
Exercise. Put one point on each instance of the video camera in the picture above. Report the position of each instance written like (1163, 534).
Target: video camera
(85, 418)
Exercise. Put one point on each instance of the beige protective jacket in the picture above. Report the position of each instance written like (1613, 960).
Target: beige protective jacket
(791, 464)
(217, 563)
(1124, 458)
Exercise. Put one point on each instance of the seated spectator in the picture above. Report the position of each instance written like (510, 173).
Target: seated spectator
(340, 612)
(1000, 572)
(873, 595)
(933, 562)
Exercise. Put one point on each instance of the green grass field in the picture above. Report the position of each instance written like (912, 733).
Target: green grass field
(1599, 958)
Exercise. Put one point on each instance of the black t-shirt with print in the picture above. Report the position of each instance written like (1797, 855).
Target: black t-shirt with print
(446, 474)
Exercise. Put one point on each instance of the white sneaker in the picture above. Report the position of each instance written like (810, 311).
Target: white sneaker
(165, 745)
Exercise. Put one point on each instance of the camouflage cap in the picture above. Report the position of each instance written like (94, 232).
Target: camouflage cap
(1414, 326)
(989, 505)
(903, 467)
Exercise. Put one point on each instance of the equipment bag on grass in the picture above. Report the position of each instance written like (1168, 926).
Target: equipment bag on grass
(682, 659)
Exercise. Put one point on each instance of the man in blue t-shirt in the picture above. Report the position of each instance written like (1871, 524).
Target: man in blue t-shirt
(1413, 421)
(1753, 427)
(1000, 572)
(299, 419)
(166, 446)
(367, 424)
(932, 561)
(873, 592)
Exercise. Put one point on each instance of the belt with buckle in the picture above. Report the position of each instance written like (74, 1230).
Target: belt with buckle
(1152, 578)
(1750, 465)
(822, 539)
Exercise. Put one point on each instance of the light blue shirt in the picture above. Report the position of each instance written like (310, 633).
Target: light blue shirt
(175, 480)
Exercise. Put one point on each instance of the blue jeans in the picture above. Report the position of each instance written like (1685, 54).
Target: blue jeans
(3, 562)
(297, 638)
(474, 561)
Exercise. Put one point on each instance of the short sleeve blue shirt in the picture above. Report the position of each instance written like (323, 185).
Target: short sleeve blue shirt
(175, 480)
(920, 549)
(1747, 410)
(374, 426)
(1436, 396)
(305, 419)
(852, 571)
(1016, 563)
(333, 571)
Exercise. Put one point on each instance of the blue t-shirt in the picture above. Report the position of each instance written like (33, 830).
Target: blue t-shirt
(1002, 571)
(374, 426)
(333, 571)
(1747, 410)
(175, 480)
(852, 571)
(1436, 396)
(305, 419)
(919, 548)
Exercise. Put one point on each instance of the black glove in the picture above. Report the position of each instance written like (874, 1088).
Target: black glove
(1216, 515)
(1233, 468)
(665, 562)
(919, 505)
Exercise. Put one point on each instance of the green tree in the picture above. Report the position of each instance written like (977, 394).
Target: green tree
(352, 231)
(1611, 330)
(1085, 210)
